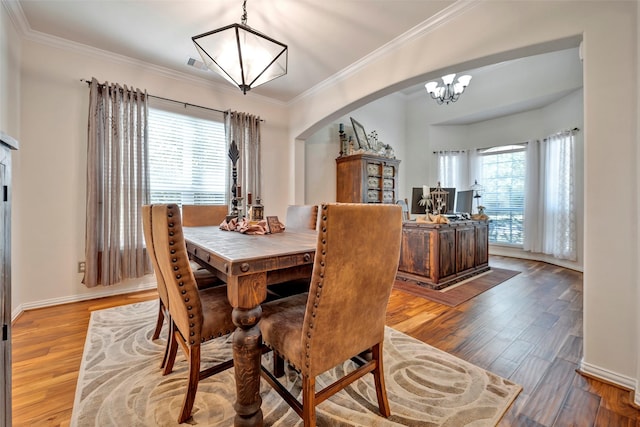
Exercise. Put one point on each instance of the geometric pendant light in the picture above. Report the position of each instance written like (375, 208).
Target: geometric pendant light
(242, 55)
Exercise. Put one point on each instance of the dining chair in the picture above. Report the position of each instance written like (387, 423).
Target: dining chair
(198, 216)
(196, 316)
(404, 204)
(202, 215)
(203, 281)
(301, 217)
(343, 314)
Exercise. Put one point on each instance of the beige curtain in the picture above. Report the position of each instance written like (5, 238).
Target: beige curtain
(244, 129)
(117, 184)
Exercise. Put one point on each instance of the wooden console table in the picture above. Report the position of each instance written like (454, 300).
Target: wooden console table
(440, 255)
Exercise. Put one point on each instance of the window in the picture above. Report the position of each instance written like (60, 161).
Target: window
(187, 158)
(503, 179)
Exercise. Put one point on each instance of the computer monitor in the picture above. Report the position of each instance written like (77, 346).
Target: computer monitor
(416, 195)
(464, 201)
(416, 209)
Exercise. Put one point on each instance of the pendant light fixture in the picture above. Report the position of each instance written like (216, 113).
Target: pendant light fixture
(449, 92)
(242, 55)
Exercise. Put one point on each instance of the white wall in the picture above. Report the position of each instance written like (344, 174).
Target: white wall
(10, 54)
(487, 30)
(50, 200)
(386, 116)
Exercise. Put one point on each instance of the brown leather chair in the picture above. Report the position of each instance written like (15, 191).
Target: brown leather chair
(202, 215)
(196, 316)
(343, 315)
(203, 280)
(301, 217)
(198, 216)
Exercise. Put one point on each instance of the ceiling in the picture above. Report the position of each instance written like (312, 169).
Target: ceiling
(324, 36)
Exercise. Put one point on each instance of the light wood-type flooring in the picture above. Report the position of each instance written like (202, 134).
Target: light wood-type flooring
(528, 329)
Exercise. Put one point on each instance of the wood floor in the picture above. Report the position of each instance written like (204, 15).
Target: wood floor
(528, 329)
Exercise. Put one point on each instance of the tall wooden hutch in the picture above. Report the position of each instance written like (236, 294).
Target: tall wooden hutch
(366, 178)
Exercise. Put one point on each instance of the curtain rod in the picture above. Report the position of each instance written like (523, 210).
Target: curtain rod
(572, 131)
(88, 82)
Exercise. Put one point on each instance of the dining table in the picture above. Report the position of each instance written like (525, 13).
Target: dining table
(249, 263)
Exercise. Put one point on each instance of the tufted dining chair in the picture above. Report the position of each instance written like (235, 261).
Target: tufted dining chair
(196, 316)
(301, 217)
(343, 314)
(203, 280)
(198, 216)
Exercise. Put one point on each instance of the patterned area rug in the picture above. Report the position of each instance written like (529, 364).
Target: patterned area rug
(120, 383)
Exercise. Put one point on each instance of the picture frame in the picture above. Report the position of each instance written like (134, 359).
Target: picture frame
(273, 225)
(361, 135)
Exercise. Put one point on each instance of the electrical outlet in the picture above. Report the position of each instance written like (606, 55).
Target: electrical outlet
(81, 266)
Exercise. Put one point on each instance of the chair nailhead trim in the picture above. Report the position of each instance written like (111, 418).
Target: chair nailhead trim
(320, 275)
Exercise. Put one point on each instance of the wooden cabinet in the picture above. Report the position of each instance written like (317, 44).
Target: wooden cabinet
(366, 178)
(6, 145)
(439, 255)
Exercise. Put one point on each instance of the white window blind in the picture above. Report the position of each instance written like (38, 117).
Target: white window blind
(503, 178)
(187, 158)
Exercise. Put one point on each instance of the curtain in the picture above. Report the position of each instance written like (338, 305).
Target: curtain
(453, 169)
(551, 227)
(244, 129)
(117, 184)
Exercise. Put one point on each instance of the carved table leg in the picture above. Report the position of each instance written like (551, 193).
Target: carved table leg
(247, 342)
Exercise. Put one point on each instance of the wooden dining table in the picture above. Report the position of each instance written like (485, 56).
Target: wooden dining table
(248, 264)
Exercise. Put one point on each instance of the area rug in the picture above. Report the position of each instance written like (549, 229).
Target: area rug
(460, 292)
(120, 383)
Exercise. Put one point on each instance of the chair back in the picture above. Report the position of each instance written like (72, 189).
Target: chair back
(301, 217)
(202, 215)
(148, 238)
(353, 272)
(173, 262)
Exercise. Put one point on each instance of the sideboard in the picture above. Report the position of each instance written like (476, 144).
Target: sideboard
(440, 255)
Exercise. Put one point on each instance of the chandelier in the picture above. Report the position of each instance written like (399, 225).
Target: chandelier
(242, 55)
(450, 92)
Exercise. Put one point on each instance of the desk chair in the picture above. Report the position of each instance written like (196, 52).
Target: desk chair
(197, 316)
(404, 204)
(344, 312)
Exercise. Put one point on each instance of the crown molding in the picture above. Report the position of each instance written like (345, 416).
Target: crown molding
(19, 20)
(16, 16)
(430, 24)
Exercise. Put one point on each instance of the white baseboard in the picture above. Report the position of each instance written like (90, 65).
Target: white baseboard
(519, 253)
(107, 292)
(610, 377)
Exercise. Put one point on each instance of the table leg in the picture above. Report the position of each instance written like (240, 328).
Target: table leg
(247, 342)
(245, 295)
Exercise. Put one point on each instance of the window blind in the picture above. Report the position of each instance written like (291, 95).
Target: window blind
(187, 158)
(503, 179)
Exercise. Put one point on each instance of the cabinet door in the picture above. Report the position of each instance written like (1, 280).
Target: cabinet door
(415, 252)
(5, 286)
(374, 182)
(447, 243)
(466, 250)
(482, 244)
